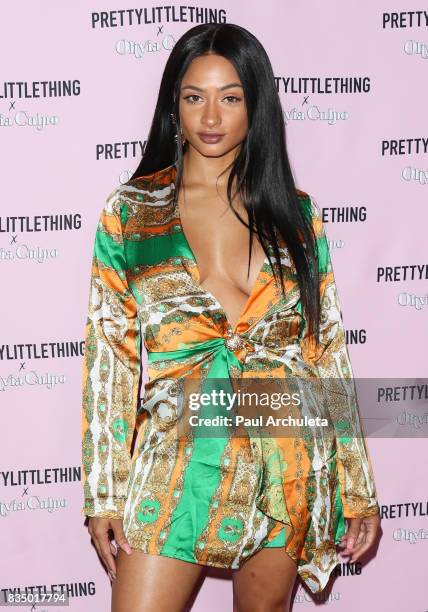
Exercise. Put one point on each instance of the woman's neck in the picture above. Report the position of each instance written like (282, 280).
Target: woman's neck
(202, 171)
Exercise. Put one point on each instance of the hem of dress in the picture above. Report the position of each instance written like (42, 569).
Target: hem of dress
(301, 570)
(173, 555)
(179, 557)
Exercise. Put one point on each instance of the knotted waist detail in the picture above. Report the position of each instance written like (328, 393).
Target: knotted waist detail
(226, 351)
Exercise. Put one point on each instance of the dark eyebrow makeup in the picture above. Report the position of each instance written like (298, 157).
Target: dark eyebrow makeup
(194, 87)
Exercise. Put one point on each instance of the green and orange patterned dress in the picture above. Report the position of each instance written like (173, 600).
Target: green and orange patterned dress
(210, 500)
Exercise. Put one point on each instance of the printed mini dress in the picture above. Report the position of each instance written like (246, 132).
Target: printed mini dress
(211, 500)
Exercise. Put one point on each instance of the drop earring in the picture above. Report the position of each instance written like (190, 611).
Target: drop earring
(177, 137)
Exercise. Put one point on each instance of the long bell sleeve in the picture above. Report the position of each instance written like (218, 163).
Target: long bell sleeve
(111, 370)
(333, 367)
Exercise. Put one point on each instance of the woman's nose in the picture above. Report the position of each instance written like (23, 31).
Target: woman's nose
(211, 115)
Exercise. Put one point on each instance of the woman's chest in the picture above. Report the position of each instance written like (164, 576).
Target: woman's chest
(165, 276)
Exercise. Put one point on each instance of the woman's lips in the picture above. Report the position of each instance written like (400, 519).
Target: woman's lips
(210, 138)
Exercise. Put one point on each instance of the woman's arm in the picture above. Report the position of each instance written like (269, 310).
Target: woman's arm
(111, 370)
(331, 360)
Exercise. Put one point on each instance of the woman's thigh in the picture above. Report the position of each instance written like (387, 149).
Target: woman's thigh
(265, 582)
(152, 583)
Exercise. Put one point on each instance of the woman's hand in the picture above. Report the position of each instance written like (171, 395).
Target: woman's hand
(360, 536)
(98, 529)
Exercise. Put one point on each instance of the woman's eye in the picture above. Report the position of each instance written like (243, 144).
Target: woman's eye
(192, 96)
(233, 98)
(230, 99)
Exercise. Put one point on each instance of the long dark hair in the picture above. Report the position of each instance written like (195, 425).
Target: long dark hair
(263, 175)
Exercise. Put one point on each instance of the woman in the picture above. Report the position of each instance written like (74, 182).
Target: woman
(170, 266)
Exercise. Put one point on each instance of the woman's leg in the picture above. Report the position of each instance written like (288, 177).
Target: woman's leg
(152, 583)
(265, 582)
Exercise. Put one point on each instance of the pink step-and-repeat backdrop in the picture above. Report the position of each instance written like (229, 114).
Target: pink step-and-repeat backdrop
(78, 85)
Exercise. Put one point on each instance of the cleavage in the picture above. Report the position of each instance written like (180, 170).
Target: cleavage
(219, 243)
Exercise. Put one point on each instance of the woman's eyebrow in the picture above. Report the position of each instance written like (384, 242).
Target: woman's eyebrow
(218, 88)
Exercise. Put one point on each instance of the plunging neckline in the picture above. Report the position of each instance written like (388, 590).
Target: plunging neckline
(232, 328)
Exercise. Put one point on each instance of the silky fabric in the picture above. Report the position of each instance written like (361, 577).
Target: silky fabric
(212, 500)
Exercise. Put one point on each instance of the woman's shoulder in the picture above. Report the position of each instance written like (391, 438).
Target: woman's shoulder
(155, 181)
(308, 204)
(302, 194)
(140, 190)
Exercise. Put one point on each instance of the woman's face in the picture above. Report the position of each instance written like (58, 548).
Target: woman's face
(212, 102)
